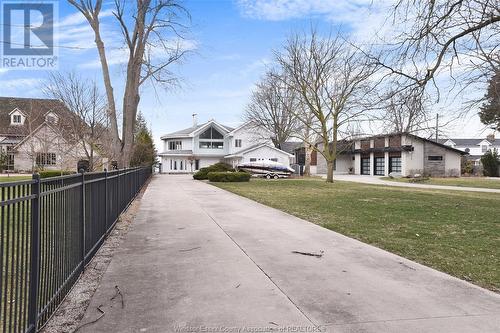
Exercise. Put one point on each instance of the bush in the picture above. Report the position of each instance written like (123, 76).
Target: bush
(229, 176)
(217, 167)
(490, 162)
(467, 166)
(54, 173)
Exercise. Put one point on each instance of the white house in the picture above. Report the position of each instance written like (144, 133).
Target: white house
(200, 146)
(476, 148)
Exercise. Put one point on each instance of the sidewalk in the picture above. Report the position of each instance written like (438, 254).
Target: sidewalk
(376, 180)
(203, 258)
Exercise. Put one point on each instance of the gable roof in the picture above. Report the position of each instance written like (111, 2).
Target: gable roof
(257, 146)
(290, 146)
(188, 132)
(470, 142)
(34, 109)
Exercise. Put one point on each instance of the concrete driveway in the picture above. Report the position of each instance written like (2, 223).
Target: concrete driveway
(200, 259)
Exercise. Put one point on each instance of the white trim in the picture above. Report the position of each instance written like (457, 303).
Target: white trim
(18, 110)
(244, 151)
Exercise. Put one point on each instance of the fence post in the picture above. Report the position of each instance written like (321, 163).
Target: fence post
(82, 220)
(35, 255)
(106, 198)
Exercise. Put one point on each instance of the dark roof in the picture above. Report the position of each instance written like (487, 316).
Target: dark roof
(461, 152)
(34, 109)
(290, 146)
(470, 142)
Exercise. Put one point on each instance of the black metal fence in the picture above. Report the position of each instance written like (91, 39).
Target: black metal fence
(49, 230)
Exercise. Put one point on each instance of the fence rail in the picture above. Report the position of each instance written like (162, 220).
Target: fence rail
(49, 230)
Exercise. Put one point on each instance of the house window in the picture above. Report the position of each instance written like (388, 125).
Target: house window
(46, 159)
(253, 159)
(435, 158)
(175, 165)
(16, 119)
(212, 134)
(274, 159)
(196, 164)
(484, 148)
(237, 143)
(182, 168)
(174, 145)
(171, 165)
(211, 144)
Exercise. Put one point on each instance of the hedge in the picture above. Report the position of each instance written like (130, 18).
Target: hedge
(217, 167)
(54, 173)
(228, 176)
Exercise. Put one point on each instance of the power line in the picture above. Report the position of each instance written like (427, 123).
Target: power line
(42, 46)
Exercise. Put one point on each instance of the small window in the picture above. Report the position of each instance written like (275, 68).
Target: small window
(253, 159)
(182, 168)
(175, 165)
(45, 159)
(175, 145)
(274, 159)
(435, 158)
(484, 148)
(16, 119)
(237, 143)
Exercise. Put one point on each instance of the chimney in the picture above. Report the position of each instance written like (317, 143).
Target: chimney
(490, 137)
(195, 119)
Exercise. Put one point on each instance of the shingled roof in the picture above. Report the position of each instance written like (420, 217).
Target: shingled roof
(34, 109)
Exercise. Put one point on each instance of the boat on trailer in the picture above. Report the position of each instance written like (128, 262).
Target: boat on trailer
(268, 169)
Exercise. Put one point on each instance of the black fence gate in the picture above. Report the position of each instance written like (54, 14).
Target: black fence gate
(49, 230)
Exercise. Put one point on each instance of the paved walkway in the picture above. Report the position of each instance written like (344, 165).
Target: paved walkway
(376, 180)
(200, 257)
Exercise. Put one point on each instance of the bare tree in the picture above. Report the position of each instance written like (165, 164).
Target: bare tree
(332, 79)
(89, 121)
(438, 35)
(404, 112)
(271, 108)
(149, 29)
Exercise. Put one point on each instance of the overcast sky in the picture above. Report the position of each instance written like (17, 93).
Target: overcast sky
(232, 42)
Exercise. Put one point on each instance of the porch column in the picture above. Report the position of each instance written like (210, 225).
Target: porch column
(386, 163)
(372, 166)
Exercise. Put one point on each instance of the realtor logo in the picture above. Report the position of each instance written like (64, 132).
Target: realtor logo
(28, 35)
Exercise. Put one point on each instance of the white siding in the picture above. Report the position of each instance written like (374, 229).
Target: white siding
(267, 153)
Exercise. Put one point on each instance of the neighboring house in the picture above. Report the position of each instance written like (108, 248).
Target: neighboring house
(403, 154)
(476, 148)
(199, 146)
(36, 134)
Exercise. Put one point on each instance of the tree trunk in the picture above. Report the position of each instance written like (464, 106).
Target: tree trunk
(329, 172)
(307, 167)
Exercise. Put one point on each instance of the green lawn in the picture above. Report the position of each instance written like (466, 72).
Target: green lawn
(4, 179)
(457, 233)
(462, 181)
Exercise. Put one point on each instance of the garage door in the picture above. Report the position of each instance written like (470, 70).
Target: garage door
(365, 166)
(395, 164)
(379, 166)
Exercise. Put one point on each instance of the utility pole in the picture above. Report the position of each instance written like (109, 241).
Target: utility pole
(437, 126)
